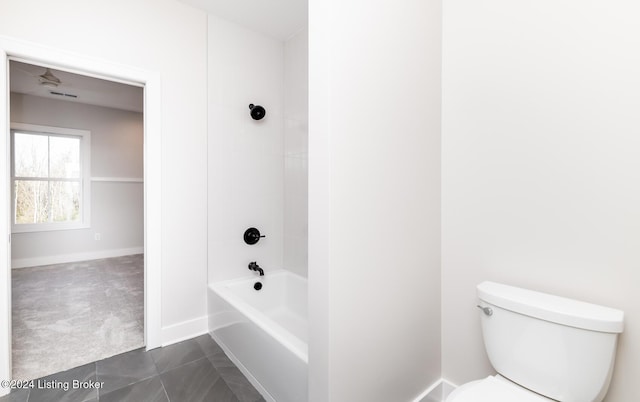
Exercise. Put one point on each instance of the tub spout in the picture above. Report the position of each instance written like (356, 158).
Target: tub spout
(255, 267)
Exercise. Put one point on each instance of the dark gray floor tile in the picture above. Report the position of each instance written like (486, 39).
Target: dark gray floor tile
(149, 390)
(175, 355)
(220, 360)
(125, 369)
(239, 384)
(16, 395)
(208, 345)
(196, 381)
(82, 374)
(193, 370)
(234, 378)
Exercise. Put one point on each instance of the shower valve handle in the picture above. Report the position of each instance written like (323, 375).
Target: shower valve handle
(252, 235)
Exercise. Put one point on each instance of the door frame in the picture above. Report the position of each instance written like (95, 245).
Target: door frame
(150, 81)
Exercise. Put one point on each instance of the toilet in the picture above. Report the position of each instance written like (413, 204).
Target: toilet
(545, 348)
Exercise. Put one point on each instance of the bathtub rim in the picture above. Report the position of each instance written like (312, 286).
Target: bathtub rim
(275, 330)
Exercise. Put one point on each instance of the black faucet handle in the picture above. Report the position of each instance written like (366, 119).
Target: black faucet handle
(252, 235)
(253, 265)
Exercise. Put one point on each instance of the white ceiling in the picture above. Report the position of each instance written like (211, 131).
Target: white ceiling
(280, 19)
(25, 79)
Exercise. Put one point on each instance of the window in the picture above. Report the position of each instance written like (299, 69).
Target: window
(50, 178)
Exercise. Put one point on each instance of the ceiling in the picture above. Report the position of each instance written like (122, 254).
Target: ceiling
(25, 79)
(280, 19)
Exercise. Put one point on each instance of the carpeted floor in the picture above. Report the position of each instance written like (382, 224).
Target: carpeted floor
(67, 315)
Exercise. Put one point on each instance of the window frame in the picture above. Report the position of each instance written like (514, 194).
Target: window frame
(85, 177)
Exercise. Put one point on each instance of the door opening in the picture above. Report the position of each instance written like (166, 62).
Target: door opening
(77, 219)
(64, 61)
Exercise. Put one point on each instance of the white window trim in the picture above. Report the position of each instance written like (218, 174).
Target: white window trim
(85, 168)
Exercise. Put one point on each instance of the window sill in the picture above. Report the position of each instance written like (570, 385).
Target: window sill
(47, 227)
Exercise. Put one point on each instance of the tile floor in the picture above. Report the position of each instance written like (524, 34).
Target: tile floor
(191, 371)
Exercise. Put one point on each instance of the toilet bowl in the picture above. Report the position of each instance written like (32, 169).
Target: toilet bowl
(544, 348)
(494, 389)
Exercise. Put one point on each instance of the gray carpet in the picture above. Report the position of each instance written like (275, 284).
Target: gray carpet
(67, 315)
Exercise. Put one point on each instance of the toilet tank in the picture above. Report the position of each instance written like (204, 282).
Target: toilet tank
(561, 348)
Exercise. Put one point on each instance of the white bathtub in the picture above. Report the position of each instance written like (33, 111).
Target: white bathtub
(264, 332)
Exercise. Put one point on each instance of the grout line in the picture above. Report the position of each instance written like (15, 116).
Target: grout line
(226, 383)
(129, 385)
(204, 355)
(164, 388)
(233, 365)
(182, 365)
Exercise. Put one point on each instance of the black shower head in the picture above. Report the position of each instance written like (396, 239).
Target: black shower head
(257, 111)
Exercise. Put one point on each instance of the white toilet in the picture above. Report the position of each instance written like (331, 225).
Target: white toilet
(544, 347)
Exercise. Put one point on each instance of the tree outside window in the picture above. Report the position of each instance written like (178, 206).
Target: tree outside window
(48, 180)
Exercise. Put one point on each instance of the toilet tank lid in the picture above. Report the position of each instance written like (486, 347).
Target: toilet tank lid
(552, 308)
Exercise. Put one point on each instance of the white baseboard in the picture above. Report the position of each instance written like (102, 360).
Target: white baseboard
(447, 388)
(431, 394)
(185, 330)
(65, 258)
(437, 392)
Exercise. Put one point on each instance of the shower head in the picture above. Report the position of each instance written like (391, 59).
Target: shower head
(257, 111)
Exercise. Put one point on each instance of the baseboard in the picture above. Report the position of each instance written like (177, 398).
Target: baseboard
(185, 330)
(428, 395)
(447, 388)
(65, 258)
(437, 392)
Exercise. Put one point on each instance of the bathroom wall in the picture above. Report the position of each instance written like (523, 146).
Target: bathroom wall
(296, 133)
(374, 204)
(540, 165)
(169, 38)
(117, 209)
(246, 164)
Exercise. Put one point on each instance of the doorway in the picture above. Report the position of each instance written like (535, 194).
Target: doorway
(150, 81)
(77, 223)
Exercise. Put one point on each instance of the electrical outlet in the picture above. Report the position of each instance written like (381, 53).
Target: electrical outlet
(97, 236)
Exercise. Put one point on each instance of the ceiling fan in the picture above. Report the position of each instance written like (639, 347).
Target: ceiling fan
(49, 80)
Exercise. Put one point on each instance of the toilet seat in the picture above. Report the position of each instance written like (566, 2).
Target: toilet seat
(494, 389)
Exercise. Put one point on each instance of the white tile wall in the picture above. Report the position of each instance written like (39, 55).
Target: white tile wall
(246, 167)
(296, 128)
(257, 169)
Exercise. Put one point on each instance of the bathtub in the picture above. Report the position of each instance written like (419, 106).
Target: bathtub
(264, 332)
